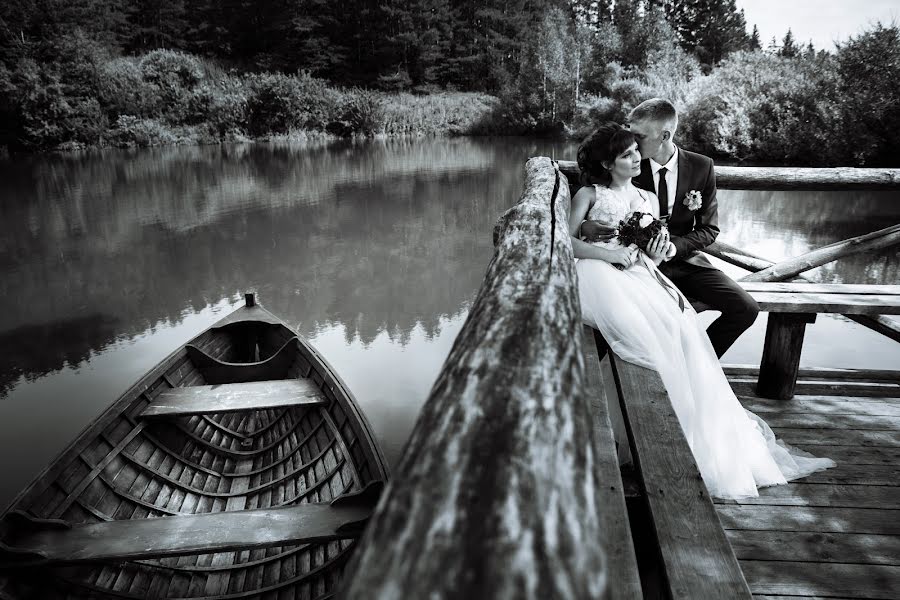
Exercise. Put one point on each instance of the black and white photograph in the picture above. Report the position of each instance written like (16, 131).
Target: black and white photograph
(449, 300)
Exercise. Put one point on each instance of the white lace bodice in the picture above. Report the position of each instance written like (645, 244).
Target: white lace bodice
(611, 206)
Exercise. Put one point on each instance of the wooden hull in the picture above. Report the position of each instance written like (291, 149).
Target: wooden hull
(127, 466)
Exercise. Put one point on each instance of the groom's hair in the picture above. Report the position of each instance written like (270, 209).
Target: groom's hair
(655, 109)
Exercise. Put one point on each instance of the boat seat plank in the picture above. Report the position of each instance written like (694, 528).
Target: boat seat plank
(697, 559)
(218, 371)
(231, 397)
(186, 534)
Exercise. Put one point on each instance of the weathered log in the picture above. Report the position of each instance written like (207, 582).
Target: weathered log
(883, 238)
(737, 256)
(494, 496)
(789, 178)
(882, 324)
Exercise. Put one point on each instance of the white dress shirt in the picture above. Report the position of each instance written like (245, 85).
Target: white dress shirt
(671, 178)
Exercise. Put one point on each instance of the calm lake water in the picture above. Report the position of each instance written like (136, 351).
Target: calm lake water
(374, 251)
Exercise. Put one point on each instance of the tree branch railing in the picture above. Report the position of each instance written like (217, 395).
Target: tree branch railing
(494, 496)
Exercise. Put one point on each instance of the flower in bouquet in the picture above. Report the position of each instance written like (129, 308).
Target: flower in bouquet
(693, 200)
(639, 228)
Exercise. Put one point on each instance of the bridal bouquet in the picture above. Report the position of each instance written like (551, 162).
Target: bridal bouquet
(639, 228)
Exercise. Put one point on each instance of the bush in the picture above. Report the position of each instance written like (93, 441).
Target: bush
(764, 107)
(136, 131)
(277, 103)
(50, 116)
(593, 111)
(170, 70)
(122, 90)
(869, 88)
(221, 107)
(361, 111)
(450, 113)
(173, 77)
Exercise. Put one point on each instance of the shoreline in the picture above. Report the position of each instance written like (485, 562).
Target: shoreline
(316, 137)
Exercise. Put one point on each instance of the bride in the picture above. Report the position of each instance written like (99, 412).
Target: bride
(647, 321)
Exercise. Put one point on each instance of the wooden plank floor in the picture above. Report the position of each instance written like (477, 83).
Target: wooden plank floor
(834, 534)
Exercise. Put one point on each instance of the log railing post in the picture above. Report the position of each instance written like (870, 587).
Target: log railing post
(781, 354)
(495, 495)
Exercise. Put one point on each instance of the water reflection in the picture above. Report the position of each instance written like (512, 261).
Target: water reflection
(374, 251)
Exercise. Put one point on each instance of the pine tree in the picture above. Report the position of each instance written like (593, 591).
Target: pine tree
(710, 29)
(156, 24)
(810, 50)
(754, 43)
(413, 42)
(626, 17)
(789, 48)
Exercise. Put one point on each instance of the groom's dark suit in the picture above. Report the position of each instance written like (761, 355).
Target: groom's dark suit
(691, 231)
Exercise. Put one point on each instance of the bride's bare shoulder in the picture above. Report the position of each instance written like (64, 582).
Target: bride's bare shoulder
(586, 194)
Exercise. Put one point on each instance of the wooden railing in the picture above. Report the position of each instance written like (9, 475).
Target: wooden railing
(787, 178)
(499, 493)
(496, 494)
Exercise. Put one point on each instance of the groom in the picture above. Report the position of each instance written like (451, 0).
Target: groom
(686, 186)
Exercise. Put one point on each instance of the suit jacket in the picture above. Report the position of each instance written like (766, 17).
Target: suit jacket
(690, 231)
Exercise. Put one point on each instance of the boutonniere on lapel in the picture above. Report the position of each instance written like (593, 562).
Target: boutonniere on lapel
(693, 200)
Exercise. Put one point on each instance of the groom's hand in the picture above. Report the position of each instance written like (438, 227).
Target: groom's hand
(594, 231)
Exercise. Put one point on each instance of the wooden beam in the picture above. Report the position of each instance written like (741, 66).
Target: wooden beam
(859, 289)
(823, 519)
(619, 546)
(881, 324)
(814, 581)
(791, 267)
(815, 302)
(698, 561)
(177, 536)
(495, 494)
(816, 547)
(233, 397)
(788, 178)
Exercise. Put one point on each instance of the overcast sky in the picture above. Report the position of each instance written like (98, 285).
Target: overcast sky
(822, 21)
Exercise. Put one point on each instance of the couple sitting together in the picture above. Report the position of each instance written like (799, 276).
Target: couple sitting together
(636, 298)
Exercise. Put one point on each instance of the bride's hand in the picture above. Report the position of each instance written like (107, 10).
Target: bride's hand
(624, 256)
(658, 249)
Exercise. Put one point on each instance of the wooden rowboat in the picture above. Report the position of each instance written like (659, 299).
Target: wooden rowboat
(239, 467)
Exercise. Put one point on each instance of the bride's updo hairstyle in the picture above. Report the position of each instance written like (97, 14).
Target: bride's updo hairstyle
(603, 146)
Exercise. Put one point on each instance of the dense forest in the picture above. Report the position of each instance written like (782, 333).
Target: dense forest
(81, 73)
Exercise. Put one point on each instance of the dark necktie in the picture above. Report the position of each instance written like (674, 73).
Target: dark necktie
(662, 191)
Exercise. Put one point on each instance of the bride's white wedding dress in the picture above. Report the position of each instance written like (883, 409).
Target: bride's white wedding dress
(647, 321)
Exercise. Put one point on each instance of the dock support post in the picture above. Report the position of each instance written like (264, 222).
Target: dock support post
(781, 354)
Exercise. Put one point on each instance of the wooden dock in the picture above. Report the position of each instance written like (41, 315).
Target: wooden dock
(833, 534)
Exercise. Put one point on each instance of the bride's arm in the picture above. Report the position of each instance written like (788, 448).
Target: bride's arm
(581, 203)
